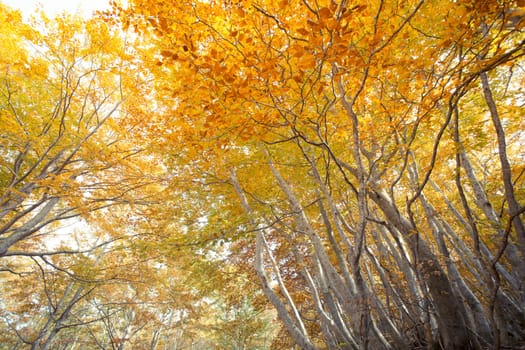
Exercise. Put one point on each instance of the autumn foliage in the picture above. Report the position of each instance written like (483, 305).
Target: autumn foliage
(353, 171)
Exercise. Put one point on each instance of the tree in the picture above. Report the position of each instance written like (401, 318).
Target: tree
(62, 93)
(382, 216)
(67, 158)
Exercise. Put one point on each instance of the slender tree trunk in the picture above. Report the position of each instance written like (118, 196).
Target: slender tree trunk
(295, 328)
(449, 318)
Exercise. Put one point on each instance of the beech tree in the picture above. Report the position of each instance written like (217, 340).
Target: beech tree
(375, 149)
(63, 88)
(70, 177)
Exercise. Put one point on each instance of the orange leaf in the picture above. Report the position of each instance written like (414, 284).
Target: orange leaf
(303, 31)
(324, 13)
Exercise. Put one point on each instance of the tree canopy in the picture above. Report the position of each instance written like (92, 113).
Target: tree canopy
(259, 174)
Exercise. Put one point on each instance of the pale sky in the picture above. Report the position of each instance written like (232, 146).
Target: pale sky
(53, 7)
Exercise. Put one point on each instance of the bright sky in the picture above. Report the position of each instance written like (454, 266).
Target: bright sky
(53, 7)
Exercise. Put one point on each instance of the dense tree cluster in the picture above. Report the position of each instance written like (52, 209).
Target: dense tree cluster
(259, 174)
